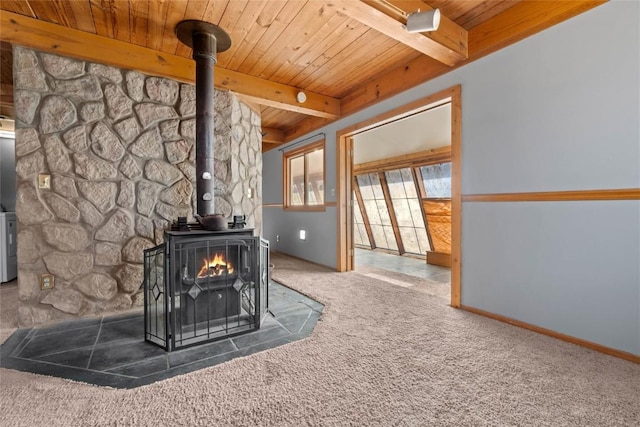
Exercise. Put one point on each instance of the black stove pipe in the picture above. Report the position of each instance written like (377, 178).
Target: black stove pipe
(206, 40)
(204, 53)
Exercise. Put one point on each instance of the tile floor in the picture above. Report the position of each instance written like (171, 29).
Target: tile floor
(401, 264)
(111, 351)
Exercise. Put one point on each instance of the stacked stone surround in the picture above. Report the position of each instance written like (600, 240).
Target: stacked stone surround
(119, 149)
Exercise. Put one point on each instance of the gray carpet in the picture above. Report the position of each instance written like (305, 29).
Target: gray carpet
(385, 353)
(8, 309)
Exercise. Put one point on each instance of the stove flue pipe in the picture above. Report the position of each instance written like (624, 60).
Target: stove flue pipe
(206, 39)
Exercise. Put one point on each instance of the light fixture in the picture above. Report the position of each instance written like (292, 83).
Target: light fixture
(418, 22)
(301, 97)
(303, 234)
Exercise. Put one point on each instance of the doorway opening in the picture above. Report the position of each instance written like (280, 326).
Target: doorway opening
(401, 196)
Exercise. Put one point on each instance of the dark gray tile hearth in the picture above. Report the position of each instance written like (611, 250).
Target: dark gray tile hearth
(111, 351)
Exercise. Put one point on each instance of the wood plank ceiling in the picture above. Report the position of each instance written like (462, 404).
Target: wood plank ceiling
(344, 54)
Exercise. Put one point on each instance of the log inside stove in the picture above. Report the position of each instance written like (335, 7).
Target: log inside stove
(216, 267)
(218, 287)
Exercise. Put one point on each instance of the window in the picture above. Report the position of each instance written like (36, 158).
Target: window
(436, 192)
(406, 206)
(403, 204)
(437, 180)
(360, 234)
(375, 208)
(304, 177)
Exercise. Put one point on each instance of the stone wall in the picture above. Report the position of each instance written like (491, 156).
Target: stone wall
(118, 147)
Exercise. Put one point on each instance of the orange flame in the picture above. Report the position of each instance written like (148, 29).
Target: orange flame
(215, 267)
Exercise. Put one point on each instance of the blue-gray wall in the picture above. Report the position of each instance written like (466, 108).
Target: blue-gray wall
(557, 111)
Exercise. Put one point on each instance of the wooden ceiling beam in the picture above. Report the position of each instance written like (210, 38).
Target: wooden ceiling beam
(382, 18)
(304, 127)
(448, 34)
(7, 125)
(521, 20)
(272, 135)
(6, 109)
(44, 36)
(6, 90)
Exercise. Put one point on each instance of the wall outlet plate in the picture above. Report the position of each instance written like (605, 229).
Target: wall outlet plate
(47, 281)
(44, 181)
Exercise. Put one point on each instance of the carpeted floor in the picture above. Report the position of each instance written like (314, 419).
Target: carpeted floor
(385, 353)
(8, 310)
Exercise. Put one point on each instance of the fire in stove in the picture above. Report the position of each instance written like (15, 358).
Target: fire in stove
(217, 266)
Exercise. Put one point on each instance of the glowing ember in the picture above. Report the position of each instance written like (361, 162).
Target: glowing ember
(215, 267)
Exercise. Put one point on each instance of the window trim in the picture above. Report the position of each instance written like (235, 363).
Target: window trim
(286, 175)
(420, 158)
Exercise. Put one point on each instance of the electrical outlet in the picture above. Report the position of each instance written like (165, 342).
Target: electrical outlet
(277, 237)
(44, 181)
(47, 281)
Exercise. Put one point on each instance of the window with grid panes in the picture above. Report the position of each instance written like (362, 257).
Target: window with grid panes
(304, 177)
(406, 206)
(376, 209)
(437, 180)
(360, 236)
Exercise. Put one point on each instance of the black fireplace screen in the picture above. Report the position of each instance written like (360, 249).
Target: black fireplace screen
(204, 286)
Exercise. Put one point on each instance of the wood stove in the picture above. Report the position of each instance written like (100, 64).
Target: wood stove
(205, 282)
(202, 286)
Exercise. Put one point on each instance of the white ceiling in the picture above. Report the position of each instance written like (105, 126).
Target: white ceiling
(422, 131)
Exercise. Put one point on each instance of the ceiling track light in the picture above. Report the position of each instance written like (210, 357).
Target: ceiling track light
(418, 22)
